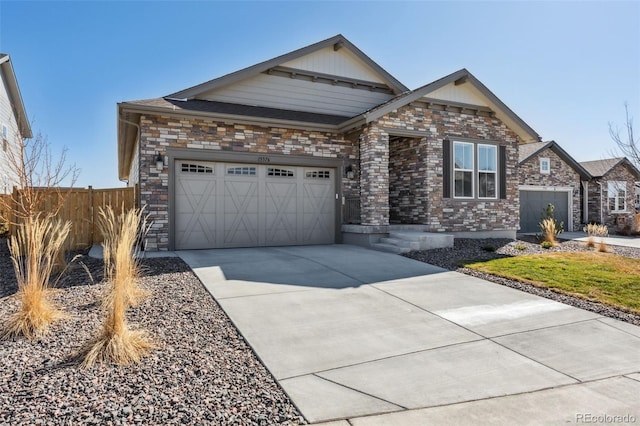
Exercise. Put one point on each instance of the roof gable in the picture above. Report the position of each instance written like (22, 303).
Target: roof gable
(309, 58)
(601, 168)
(461, 85)
(529, 150)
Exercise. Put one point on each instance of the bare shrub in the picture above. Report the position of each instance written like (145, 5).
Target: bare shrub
(34, 248)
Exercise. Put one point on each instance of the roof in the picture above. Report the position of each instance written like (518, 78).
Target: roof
(9, 77)
(527, 151)
(214, 107)
(600, 168)
(338, 40)
(462, 76)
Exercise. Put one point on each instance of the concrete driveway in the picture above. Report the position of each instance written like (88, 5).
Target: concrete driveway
(376, 338)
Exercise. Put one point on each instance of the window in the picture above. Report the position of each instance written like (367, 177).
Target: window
(318, 174)
(475, 170)
(617, 196)
(5, 132)
(487, 171)
(545, 166)
(279, 172)
(245, 171)
(463, 169)
(195, 168)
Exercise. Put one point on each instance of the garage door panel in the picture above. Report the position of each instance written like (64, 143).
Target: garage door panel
(247, 205)
(196, 212)
(533, 204)
(240, 212)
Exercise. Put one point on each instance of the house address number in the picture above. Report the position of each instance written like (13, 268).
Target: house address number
(264, 160)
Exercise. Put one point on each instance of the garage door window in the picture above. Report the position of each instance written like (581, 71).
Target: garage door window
(195, 168)
(280, 172)
(318, 174)
(617, 196)
(243, 171)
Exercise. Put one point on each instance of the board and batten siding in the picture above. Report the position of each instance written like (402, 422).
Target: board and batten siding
(7, 118)
(134, 172)
(464, 94)
(298, 95)
(341, 63)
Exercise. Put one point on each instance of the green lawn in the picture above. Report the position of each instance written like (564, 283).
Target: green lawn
(602, 277)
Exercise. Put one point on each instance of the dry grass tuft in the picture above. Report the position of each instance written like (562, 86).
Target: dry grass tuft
(116, 342)
(549, 230)
(120, 236)
(595, 230)
(34, 248)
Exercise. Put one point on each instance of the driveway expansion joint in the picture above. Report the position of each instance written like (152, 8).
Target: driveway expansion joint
(359, 391)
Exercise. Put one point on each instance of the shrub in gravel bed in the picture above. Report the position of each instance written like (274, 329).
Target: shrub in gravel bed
(116, 342)
(205, 373)
(466, 250)
(34, 250)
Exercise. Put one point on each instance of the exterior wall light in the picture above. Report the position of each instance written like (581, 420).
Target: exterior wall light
(350, 171)
(159, 162)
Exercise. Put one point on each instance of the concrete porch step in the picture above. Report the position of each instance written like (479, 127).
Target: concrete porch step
(426, 240)
(413, 245)
(390, 248)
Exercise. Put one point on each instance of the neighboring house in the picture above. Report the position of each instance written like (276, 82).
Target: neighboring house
(321, 145)
(14, 125)
(548, 175)
(612, 192)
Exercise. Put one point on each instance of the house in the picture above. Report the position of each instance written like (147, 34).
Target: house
(549, 175)
(319, 146)
(611, 192)
(14, 124)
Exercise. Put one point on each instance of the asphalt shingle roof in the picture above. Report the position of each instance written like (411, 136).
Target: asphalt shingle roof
(598, 168)
(197, 105)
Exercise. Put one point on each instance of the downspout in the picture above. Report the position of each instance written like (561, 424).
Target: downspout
(139, 153)
(601, 208)
(585, 202)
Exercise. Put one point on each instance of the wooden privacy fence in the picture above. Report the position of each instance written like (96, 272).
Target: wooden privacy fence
(81, 207)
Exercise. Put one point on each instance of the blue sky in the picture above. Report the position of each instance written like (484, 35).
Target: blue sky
(566, 68)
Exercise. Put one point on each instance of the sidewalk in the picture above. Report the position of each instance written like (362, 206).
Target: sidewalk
(613, 240)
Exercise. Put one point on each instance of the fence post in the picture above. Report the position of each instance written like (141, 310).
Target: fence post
(91, 215)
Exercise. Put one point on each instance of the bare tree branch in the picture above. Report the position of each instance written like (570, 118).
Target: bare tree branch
(625, 140)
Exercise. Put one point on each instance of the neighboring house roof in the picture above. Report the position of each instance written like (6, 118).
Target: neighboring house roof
(600, 168)
(529, 150)
(463, 76)
(9, 77)
(338, 41)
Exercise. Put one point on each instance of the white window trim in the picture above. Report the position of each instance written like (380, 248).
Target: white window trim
(472, 170)
(548, 161)
(617, 184)
(495, 173)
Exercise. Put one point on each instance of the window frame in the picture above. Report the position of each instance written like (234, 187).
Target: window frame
(472, 170)
(475, 172)
(546, 160)
(495, 172)
(617, 185)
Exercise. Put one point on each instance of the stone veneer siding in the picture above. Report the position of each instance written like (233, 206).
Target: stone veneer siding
(425, 168)
(374, 176)
(561, 174)
(161, 132)
(615, 221)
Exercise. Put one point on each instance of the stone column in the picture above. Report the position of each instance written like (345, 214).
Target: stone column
(374, 177)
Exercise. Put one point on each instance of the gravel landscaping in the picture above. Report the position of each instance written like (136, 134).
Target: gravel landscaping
(486, 249)
(203, 372)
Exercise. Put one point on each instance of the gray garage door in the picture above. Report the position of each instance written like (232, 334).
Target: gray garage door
(221, 205)
(533, 203)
